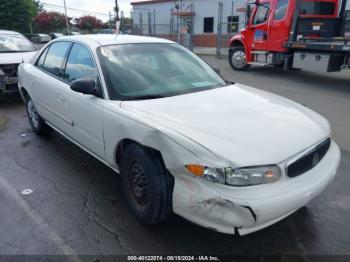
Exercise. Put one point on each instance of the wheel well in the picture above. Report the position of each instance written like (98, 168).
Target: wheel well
(236, 43)
(123, 144)
(24, 94)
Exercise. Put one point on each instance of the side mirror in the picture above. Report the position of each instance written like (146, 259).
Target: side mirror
(86, 86)
(248, 12)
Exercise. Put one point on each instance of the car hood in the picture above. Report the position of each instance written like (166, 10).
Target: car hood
(16, 58)
(241, 124)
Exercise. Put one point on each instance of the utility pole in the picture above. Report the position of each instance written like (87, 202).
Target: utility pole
(65, 11)
(110, 20)
(117, 20)
(179, 20)
(116, 10)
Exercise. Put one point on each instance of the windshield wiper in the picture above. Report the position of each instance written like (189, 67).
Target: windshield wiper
(144, 97)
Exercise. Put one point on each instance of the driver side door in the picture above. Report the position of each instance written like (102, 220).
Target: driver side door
(260, 26)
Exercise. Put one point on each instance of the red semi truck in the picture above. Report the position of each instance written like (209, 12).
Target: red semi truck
(311, 35)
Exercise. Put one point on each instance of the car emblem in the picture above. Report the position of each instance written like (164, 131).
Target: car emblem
(316, 159)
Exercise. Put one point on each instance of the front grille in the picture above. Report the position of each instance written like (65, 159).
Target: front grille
(310, 160)
(10, 70)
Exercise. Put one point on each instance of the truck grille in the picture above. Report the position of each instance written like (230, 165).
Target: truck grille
(310, 160)
(10, 70)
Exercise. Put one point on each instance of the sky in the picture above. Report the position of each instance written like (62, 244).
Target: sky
(103, 7)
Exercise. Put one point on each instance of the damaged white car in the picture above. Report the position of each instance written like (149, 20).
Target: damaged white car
(226, 156)
(14, 50)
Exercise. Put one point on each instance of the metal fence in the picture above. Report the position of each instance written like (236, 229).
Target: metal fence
(179, 28)
(230, 21)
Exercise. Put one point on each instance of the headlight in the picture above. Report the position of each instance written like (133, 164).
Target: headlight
(253, 175)
(237, 177)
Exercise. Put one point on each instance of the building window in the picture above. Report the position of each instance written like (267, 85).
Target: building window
(208, 24)
(232, 24)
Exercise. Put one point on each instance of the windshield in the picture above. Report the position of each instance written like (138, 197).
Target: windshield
(15, 43)
(148, 71)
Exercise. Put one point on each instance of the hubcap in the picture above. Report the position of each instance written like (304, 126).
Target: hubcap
(239, 59)
(33, 114)
(138, 184)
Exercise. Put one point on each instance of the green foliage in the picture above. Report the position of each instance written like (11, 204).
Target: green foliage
(17, 15)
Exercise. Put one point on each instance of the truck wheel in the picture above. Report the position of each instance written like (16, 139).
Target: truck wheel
(37, 123)
(237, 59)
(145, 185)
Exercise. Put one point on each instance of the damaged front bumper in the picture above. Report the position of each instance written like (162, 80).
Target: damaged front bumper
(244, 210)
(8, 79)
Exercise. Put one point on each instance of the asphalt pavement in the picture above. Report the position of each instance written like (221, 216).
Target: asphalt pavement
(56, 199)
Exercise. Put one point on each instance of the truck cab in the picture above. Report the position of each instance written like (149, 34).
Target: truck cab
(272, 24)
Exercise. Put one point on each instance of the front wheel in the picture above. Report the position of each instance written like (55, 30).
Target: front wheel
(37, 123)
(238, 59)
(146, 184)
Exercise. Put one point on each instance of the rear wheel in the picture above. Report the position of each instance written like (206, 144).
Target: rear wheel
(145, 185)
(37, 123)
(238, 59)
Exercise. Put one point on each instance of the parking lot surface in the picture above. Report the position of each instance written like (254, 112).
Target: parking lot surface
(56, 199)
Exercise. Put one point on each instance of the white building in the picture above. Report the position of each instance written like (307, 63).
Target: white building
(168, 16)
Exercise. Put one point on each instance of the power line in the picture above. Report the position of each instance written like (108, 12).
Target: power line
(75, 9)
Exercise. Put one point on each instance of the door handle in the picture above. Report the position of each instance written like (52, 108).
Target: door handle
(60, 98)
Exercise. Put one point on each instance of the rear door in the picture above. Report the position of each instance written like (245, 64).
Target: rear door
(260, 26)
(46, 81)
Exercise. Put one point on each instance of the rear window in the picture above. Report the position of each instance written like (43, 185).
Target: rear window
(281, 9)
(317, 8)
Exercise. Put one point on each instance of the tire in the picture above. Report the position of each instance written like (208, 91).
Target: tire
(36, 122)
(146, 185)
(237, 59)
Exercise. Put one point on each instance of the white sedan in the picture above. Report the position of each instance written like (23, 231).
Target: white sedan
(226, 156)
(14, 49)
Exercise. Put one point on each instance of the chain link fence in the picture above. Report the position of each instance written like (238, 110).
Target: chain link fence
(231, 19)
(179, 28)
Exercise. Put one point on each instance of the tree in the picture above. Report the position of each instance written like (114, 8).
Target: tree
(39, 6)
(89, 23)
(47, 22)
(17, 15)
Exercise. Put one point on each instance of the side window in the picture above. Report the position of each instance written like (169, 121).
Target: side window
(281, 9)
(55, 58)
(80, 64)
(262, 13)
(42, 58)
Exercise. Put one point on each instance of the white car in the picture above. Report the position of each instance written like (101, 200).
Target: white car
(226, 156)
(14, 49)
(40, 38)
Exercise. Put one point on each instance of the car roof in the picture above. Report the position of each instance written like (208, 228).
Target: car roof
(7, 32)
(98, 40)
